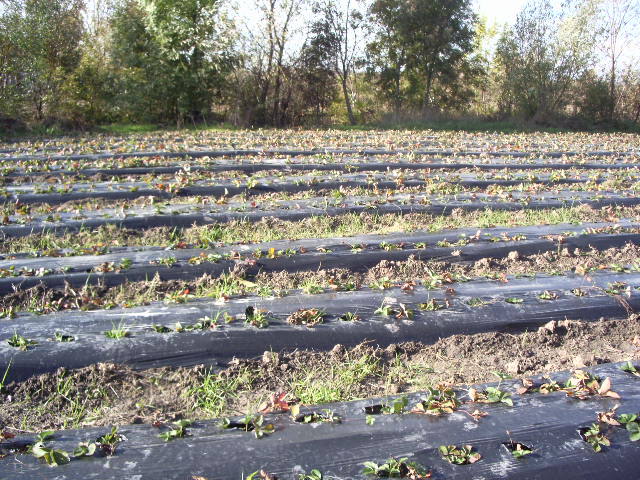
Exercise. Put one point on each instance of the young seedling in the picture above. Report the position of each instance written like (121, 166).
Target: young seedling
(109, 441)
(349, 317)
(594, 437)
(385, 310)
(309, 317)
(261, 475)
(431, 306)
(256, 318)
(547, 295)
(325, 416)
(518, 450)
(459, 456)
(514, 300)
(178, 431)
(250, 423)
(396, 468)
(630, 368)
(490, 395)
(397, 406)
(161, 329)
(20, 342)
(477, 302)
(60, 337)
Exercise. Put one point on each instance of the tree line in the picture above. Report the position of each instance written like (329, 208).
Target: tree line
(79, 63)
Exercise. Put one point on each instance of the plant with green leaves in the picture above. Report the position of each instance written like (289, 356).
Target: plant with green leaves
(397, 406)
(439, 401)
(593, 436)
(518, 450)
(178, 431)
(325, 416)
(314, 474)
(61, 337)
(490, 395)
(631, 423)
(250, 423)
(117, 332)
(110, 441)
(396, 468)
(630, 368)
(256, 317)
(20, 342)
(464, 455)
(53, 457)
(349, 317)
(85, 449)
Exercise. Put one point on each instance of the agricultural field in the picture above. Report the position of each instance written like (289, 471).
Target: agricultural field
(316, 305)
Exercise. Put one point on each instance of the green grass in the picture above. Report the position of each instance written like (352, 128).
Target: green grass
(214, 391)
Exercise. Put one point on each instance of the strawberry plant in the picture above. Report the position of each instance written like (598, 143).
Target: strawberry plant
(60, 337)
(464, 455)
(314, 474)
(431, 306)
(84, 449)
(349, 317)
(594, 437)
(178, 431)
(491, 395)
(439, 401)
(250, 423)
(518, 450)
(630, 368)
(20, 342)
(110, 441)
(631, 423)
(309, 317)
(396, 468)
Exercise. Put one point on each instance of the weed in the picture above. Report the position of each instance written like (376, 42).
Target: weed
(118, 332)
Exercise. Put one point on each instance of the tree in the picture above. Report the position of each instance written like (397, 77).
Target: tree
(428, 43)
(543, 55)
(41, 46)
(335, 38)
(620, 20)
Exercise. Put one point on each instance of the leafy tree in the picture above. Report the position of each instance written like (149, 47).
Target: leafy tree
(420, 45)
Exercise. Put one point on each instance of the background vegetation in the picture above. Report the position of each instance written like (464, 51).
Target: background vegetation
(75, 64)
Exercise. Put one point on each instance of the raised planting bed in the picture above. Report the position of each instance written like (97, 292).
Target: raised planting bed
(357, 253)
(185, 215)
(443, 433)
(213, 332)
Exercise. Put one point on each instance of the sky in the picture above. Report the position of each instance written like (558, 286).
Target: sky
(499, 11)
